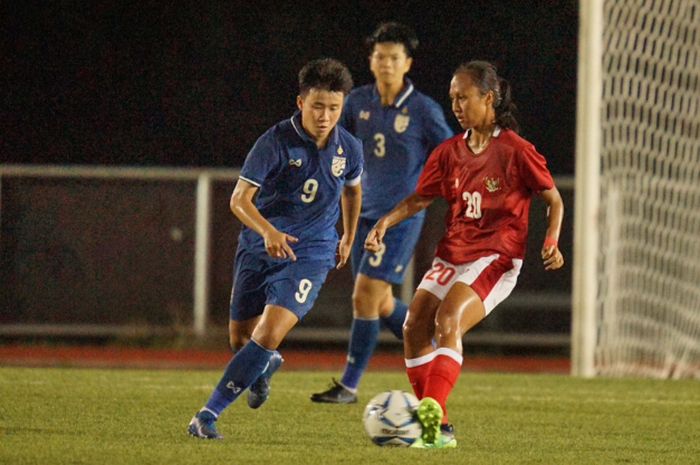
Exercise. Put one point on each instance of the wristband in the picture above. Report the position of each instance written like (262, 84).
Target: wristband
(549, 241)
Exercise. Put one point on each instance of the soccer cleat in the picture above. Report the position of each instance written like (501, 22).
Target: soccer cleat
(336, 394)
(447, 437)
(429, 414)
(445, 442)
(448, 430)
(203, 426)
(259, 391)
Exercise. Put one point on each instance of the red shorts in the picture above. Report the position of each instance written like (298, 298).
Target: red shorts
(492, 277)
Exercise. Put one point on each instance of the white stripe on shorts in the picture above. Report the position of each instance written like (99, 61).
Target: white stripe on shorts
(503, 287)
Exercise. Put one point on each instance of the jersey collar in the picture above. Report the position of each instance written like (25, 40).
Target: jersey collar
(299, 129)
(496, 132)
(401, 98)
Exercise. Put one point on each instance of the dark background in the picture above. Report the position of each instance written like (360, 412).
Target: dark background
(194, 84)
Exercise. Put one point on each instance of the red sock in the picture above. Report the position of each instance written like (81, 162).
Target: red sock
(444, 371)
(417, 376)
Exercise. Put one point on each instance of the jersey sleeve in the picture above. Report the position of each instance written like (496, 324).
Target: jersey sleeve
(533, 169)
(436, 127)
(354, 175)
(430, 180)
(262, 160)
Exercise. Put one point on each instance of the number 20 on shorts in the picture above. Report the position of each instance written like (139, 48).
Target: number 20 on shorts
(441, 273)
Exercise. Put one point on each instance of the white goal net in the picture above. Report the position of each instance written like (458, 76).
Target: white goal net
(646, 310)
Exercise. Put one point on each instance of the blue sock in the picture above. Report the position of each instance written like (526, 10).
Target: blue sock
(363, 340)
(395, 321)
(267, 370)
(242, 370)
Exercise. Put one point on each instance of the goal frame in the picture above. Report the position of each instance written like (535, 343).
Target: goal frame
(587, 188)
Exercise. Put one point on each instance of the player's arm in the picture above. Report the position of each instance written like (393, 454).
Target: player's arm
(551, 255)
(351, 204)
(405, 209)
(242, 206)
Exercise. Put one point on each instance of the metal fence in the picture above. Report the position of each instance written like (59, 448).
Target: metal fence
(95, 251)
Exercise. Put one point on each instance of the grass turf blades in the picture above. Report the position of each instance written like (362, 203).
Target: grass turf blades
(85, 416)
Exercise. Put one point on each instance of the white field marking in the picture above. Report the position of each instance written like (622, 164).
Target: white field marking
(592, 398)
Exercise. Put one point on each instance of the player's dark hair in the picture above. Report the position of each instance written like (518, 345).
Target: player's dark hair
(486, 79)
(325, 74)
(396, 33)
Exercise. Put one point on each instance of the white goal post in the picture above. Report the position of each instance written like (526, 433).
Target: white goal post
(636, 286)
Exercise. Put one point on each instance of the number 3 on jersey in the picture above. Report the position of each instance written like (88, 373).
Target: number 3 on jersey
(380, 145)
(473, 200)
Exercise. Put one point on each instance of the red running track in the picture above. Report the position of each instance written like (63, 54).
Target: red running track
(123, 357)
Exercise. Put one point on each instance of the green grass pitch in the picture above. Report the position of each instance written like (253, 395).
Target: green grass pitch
(82, 416)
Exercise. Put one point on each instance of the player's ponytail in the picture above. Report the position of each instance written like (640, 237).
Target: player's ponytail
(485, 77)
(505, 108)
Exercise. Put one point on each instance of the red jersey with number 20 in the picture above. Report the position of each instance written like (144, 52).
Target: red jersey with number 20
(489, 194)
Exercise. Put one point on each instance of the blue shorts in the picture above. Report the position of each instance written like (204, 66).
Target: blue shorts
(260, 280)
(390, 263)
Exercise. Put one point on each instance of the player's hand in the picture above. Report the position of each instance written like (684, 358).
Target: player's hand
(375, 238)
(551, 255)
(344, 249)
(277, 245)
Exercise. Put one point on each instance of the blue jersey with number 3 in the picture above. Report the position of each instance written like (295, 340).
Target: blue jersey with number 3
(300, 185)
(397, 141)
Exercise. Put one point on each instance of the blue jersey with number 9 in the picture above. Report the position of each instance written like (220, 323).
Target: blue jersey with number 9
(300, 185)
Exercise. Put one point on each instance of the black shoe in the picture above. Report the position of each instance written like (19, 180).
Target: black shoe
(336, 394)
(447, 429)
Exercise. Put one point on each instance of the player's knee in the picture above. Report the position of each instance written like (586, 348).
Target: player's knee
(268, 340)
(406, 329)
(237, 341)
(386, 306)
(412, 327)
(269, 336)
(446, 325)
(363, 304)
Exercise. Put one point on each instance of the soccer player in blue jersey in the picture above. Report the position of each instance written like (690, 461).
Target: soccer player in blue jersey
(399, 127)
(301, 170)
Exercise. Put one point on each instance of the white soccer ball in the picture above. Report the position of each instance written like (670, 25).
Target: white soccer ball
(390, 420)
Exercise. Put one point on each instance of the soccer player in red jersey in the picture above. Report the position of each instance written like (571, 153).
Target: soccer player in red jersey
(488, 175)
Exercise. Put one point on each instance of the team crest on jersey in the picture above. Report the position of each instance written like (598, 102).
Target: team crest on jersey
(338, 166)
(401, 121)
(492, 184)
(364, 115)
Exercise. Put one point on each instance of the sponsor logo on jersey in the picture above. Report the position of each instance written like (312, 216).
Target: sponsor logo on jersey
(492, 184)
(294, 162)
(364, 115)
(338, 166)
(401, 123)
